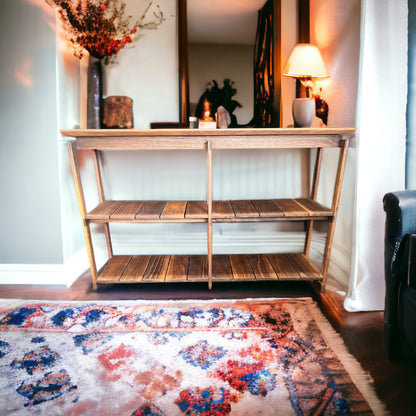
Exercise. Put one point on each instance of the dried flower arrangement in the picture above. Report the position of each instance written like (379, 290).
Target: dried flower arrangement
(100, 26)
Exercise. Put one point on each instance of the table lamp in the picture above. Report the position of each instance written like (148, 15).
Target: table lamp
(305, 62)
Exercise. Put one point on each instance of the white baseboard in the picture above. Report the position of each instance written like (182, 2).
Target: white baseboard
(44, 274)
(66, 274)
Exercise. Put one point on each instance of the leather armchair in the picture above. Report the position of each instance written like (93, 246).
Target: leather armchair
(400, 274)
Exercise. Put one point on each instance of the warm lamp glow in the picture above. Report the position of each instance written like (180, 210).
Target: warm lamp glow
(305, 61)
(23, 74)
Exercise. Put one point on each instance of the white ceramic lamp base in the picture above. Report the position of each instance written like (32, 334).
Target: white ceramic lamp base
(303, 110)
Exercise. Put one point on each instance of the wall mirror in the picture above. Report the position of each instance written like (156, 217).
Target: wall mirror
(238, 40)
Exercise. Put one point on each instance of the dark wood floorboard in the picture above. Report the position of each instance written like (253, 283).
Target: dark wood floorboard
(362, 332)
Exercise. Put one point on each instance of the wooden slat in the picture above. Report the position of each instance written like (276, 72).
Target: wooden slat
(127, 210)
(104, 210)
(174, 210)
(314, 208)
(221, 267)
(283, 267)
(267, 208)
(291, 208)
(151, 210)
(135, 269)
(198, 268)
(222, 209)
(262, 267)
(196, 209)
(156, 269)
(241, 267)
(178, 268)
(305, 268)
(113, 269)
(244, 209)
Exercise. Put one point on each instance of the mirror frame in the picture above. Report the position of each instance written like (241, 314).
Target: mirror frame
(183, 61)
(303, 37)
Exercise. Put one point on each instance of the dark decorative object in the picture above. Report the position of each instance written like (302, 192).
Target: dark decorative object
(321, 108)
(95, 94)
(219, 97)
(118, 112)
(264, 88)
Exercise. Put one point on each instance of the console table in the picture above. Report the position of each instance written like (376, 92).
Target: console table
(208, 267)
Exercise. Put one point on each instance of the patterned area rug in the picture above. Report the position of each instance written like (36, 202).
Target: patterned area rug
(211, 358)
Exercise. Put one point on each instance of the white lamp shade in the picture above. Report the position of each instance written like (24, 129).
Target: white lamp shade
(305, 61)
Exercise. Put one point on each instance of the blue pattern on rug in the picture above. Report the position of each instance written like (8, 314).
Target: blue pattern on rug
(51, 386)
(18, 317)
(4, 348)
(60, 317)
(36, 360)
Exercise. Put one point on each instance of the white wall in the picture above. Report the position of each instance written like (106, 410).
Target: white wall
(30, 214)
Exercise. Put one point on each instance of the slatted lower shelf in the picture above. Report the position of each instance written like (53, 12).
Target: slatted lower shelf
(194, 268)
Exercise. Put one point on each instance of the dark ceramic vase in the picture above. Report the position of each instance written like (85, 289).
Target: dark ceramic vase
(321, 109)
(95, 94)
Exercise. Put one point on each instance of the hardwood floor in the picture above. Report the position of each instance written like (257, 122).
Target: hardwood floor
(395, 383)
(363, 334)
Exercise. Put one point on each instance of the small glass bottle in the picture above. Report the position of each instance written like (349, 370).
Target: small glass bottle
(193, 122)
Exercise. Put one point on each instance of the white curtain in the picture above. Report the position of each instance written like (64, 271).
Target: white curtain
(381, 140)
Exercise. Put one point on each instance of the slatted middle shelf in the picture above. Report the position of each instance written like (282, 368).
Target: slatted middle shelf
(197, 211)
(194, 268)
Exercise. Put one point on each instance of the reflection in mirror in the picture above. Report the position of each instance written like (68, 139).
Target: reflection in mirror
(221, 44)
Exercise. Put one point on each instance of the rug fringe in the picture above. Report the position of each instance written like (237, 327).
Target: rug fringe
(361, 378)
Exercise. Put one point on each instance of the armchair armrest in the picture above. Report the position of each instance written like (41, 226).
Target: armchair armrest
(400, 208)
